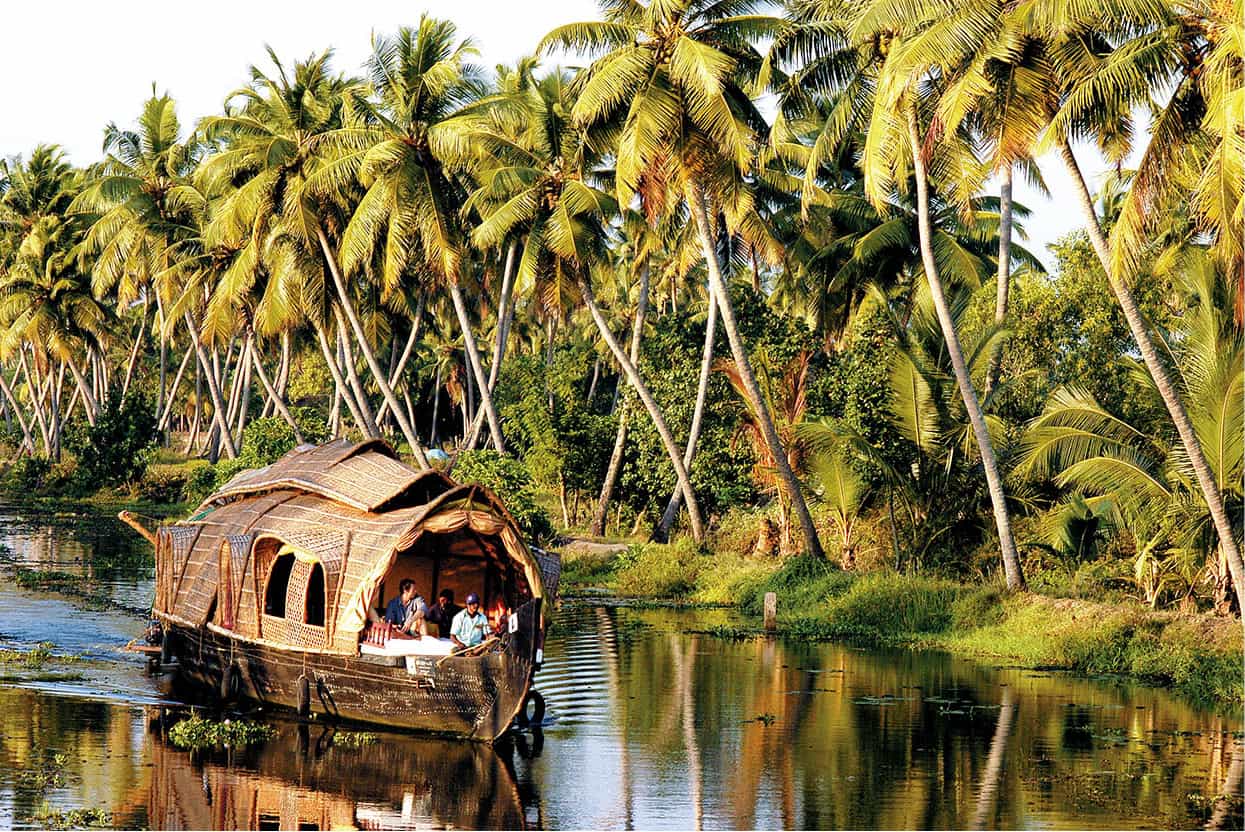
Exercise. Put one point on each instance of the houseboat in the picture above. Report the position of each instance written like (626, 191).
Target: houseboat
(272, 591)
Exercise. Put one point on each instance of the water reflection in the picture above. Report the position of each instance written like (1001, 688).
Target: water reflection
(650, 725)
(314, 782)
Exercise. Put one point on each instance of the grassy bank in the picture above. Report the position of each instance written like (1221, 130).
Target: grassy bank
(1197, 654)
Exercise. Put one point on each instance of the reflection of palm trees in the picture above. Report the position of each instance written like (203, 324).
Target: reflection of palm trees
(686, 665)
(618, 706)
(987, 796)
(1232, 788)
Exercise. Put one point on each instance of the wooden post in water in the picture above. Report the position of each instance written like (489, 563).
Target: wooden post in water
(771, 612)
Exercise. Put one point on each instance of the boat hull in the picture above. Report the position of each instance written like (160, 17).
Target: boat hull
(472, 697)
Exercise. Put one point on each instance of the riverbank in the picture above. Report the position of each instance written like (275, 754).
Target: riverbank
(1198, 654)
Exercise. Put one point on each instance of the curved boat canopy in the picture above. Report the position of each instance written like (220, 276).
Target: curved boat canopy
(299, 553)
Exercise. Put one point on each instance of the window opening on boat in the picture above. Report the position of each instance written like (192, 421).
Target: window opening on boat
(315, 597)
(278, 584)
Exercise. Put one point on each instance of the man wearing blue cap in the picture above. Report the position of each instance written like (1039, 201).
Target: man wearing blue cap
(470, 625)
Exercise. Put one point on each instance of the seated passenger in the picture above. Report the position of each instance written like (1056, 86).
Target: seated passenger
(470, 625)
(441, 614)
(408, 610)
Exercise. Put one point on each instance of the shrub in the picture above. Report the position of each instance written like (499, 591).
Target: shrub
(508, 479)
(175, 483)
(890, 604)
(115, 449)
(26, 475)
(658, 570)
(200, 481)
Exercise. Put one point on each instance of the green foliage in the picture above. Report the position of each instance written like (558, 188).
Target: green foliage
(568, 443)
(87, 818)
(889, 603)
(658, 570)
(200, 481)
(26, 476)
(508, 479)
(46, 770)
(115, 450)
(199, 733)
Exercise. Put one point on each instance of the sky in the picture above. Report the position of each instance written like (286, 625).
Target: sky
(70, 69)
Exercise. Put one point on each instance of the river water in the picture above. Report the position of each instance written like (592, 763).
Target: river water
(650, 724)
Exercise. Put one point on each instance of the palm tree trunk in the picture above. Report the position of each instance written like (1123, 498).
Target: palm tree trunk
(601, 516)
(343, 391)
(89, 405)
(244, 397)
(345, 356)
(218, 402)
(505, 313)
(343, 295)
(696, 201)
(129, 367)
(1011, 560)
(436, 406)
(17, 411)
(56, 412)
(275, 397)
(992, 780)
(35, 387)
(659, 422)
(1005, 271)
(407, 352)
(1158, 372)
(477, 371)
(163, 423)
(662, 533)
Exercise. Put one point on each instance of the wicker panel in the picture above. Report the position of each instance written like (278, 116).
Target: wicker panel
(294, 633)
(195, 601)
(550, 570)
(181, 543)
(364, 476)
(239, 556)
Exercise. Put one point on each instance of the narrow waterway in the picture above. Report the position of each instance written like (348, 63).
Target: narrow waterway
(650, 724)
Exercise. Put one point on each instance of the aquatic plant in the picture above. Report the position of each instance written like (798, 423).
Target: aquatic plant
(196, 732)
(354, 739)
(88, 818)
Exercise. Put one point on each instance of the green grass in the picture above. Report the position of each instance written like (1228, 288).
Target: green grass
(1197, 654)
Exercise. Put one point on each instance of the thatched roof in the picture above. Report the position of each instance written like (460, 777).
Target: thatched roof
(352, 508)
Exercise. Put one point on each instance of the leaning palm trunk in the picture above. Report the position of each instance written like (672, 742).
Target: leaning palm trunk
(134, 352)
(163, 423)
(477, 371)
(1162, 380)
(34, 386)
(1007, 544)
(601, 516)
(696, 201)
(343, 295)
(343, 391)
(27, 442)
(1005, 270)
(218, 403)
(345, 358)
(659, 422)
(505, 311)
(89, 405)
(662, 533)
(407, 351)
(275, 396)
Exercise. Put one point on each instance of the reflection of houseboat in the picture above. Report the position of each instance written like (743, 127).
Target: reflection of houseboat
(269, 589)
(397, 783)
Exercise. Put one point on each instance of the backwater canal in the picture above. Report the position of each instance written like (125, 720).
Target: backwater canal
(650, 724)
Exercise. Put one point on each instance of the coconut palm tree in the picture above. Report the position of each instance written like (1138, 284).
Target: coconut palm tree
(267, 156)
(139, 201)
(1147, 479)
(1150, 50)
(872, 59)
(542, 187)
(670, 83)
(409, 158)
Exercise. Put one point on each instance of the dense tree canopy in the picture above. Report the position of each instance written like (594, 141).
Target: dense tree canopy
(766, 253)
